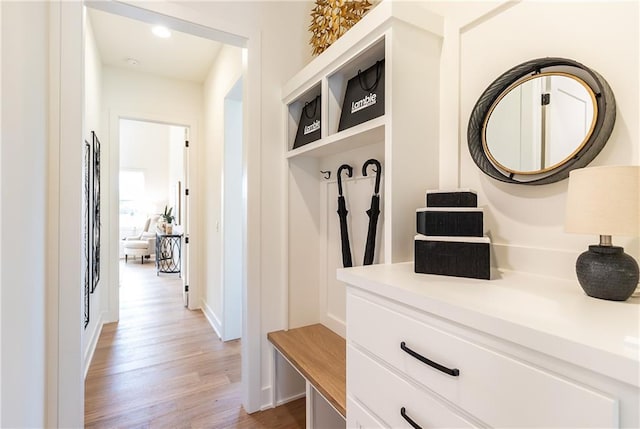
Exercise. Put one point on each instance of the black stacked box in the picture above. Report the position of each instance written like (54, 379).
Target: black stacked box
(435, 255)
(466, 198)
(465, 222)
(450, 237)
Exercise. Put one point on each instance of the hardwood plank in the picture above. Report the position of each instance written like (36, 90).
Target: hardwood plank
(162, 366)
(320, 355)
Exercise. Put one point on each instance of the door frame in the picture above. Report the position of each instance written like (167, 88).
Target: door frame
(65, 381)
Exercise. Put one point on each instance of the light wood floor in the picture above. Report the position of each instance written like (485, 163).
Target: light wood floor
(163, 366)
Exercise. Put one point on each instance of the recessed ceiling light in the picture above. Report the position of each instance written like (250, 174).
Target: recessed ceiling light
(162, 32)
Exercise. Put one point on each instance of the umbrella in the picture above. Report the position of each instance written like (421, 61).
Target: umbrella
(342, 213)
(373, 212)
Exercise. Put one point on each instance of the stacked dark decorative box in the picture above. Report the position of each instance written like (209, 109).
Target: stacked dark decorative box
(450, 238)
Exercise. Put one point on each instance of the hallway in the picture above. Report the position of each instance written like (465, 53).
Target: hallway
(163, 365)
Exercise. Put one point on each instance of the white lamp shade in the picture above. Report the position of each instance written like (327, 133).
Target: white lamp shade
(604, 201)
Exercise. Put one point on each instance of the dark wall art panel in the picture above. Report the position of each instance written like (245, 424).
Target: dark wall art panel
(85, 231)
(96, 213)
(91, 221)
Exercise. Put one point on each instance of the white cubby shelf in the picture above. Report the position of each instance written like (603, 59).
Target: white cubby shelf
(404, 139)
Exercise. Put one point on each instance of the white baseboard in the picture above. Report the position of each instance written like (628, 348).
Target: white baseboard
(291, 398)
(93, 343)
(212, 319)
(335, 323)
(266, 399)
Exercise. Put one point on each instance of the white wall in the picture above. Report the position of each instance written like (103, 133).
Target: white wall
(23, 152)
(93, 122)
(144, 146)
(526, 222)
(224, 73)
(176, 168)
(92, 83)
(131, 92)
(233, 265)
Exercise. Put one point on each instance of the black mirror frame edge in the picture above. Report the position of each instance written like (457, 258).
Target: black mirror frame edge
(605, 121)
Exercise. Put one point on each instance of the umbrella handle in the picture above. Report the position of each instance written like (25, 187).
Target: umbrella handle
(349, 174)
(373, 213)
(378, 171)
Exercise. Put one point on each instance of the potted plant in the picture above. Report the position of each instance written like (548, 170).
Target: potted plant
(168, 219)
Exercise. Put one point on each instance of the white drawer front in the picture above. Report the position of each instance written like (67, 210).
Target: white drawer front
(359, 418)
(385, 394)
(497, 389)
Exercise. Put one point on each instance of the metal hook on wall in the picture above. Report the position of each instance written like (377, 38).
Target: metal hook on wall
(327, 174)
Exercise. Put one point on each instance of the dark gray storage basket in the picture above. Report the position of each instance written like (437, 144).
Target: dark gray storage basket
(364, 97)
(309, 125)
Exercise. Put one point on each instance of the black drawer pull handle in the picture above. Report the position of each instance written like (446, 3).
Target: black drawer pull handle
(452, 372)
(413, 424)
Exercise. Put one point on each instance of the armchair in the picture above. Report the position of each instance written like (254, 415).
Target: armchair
(143, 244)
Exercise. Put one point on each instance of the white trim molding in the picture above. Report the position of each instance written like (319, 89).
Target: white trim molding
(212, 319)
(64, 375)
(93, 343)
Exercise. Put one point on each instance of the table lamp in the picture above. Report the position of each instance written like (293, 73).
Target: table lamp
(604, 201)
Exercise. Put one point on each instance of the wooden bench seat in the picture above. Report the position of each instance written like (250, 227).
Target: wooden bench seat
(319, 354)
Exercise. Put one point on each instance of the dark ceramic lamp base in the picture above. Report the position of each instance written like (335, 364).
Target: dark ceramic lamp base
(606, 272)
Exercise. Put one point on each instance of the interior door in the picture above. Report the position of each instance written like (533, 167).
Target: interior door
(569, 117)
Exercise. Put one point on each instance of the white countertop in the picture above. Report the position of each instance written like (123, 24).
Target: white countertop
(542, 313)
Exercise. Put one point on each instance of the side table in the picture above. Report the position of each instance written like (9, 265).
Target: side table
(168, 253)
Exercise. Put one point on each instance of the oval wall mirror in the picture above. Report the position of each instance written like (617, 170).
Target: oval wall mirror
(540, 120)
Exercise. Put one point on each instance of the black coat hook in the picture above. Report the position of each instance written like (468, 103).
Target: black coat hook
(327, 174)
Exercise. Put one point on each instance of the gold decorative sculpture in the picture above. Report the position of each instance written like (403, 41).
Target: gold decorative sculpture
(330, 19)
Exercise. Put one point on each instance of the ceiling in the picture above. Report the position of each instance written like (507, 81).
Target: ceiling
(182, 56)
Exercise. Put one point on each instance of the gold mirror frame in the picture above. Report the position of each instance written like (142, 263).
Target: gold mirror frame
(517, 84)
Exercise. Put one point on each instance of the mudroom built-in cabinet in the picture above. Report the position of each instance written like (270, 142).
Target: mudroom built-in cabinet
(403, 140)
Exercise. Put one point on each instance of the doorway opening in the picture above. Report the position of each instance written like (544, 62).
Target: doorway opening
(152, 202)
(204, 226)
(68, 26)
